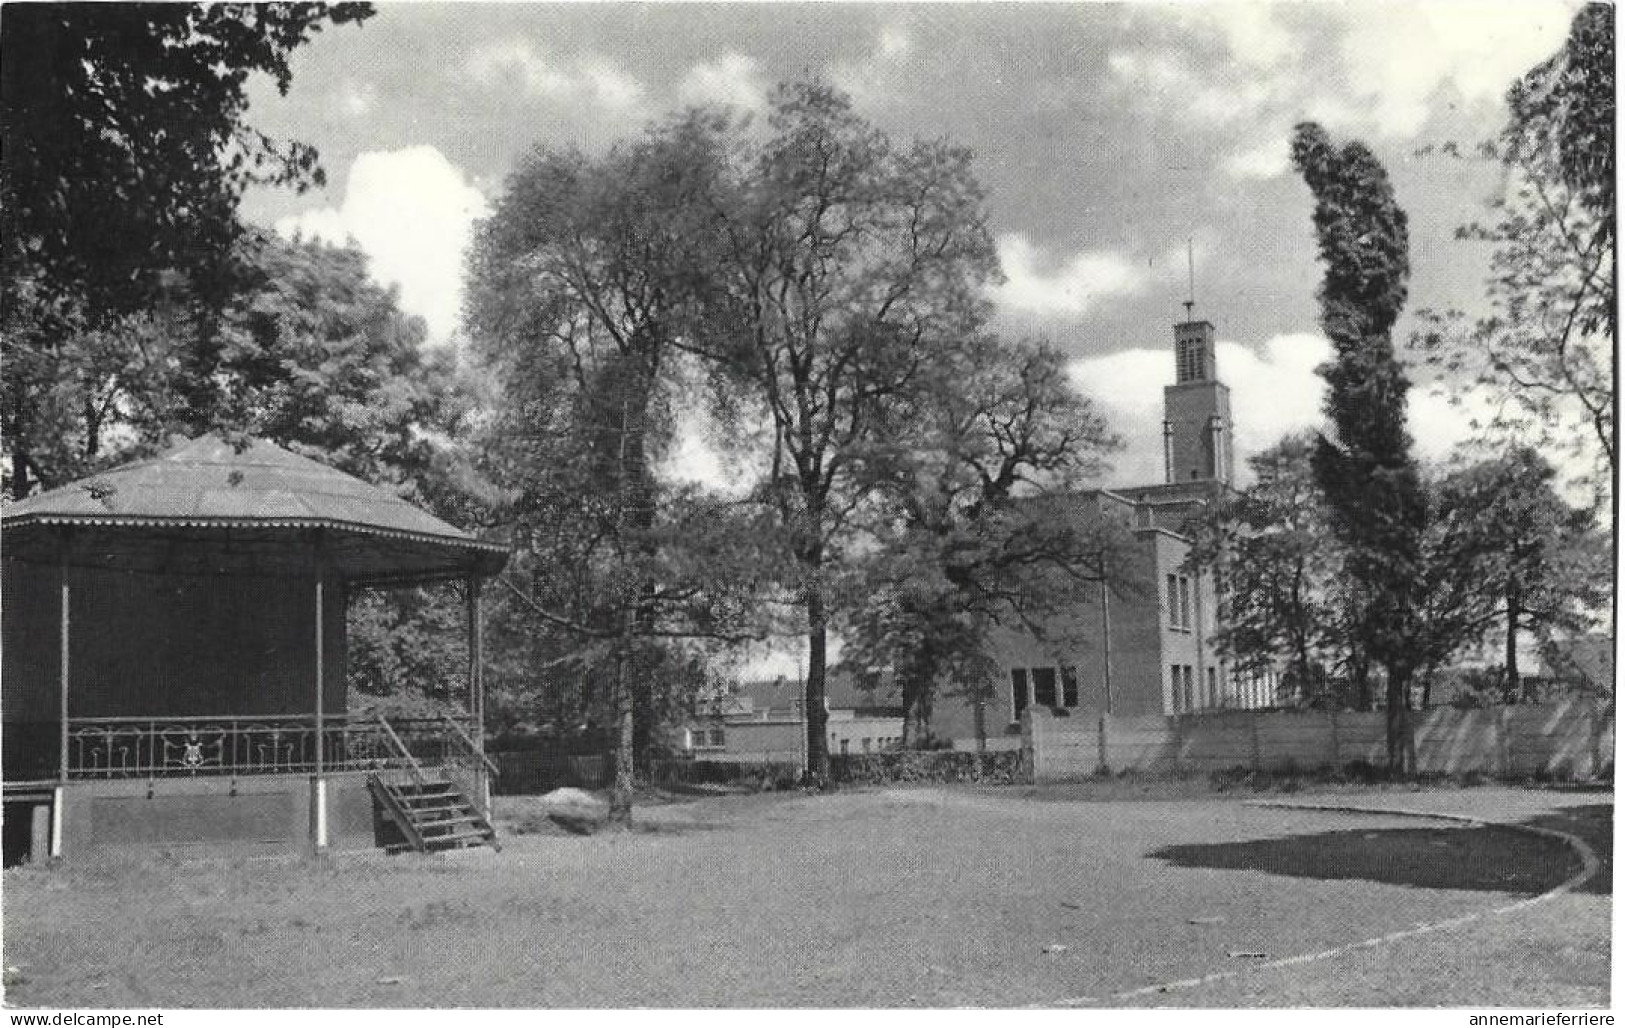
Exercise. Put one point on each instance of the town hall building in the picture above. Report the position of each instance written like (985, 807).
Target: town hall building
(1143, 648)
(1147, 647)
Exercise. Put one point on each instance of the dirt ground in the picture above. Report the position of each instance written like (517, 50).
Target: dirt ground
(883, 898)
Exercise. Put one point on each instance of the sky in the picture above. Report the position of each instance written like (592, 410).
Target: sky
(1122, 147)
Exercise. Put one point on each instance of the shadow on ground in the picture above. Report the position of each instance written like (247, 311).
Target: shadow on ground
(1595, 824)
(1490, 859)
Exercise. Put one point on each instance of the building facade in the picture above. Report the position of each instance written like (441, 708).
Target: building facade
(764, 722)
(1145, 648)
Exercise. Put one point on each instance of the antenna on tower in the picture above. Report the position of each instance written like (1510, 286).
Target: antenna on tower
(1190, 265)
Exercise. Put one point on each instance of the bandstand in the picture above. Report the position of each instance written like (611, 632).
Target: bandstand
(174, 655)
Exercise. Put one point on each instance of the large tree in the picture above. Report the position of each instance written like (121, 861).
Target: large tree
(308, 352)
(1373, 489)
(977, 527)
(586, 284)
(126, 149)
(1506, 550)
(1278, 568)
(1546, 344)
(126, 153)
(849, 264)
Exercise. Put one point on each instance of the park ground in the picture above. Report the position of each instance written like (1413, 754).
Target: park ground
(920, 897)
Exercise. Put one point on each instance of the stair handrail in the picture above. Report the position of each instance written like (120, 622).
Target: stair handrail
(470, 746)
(397, 812)
(412, 764)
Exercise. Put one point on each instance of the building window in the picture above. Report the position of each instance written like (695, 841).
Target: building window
(1179, 602)
(1069, 687)
(1212, 687)
(866, 742)
(1192, 366)
(702, 739)
(1052, 687)
(1043, 686)
(845, 745)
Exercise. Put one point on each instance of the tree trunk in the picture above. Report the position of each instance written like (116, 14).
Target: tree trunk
(916, 689)
(1514, 683)
(620, 794)
(1401, 745)
(1300, 668)
(911, 723)
(1361, 673)
(817, 714)
(979, 714)
(20, 485)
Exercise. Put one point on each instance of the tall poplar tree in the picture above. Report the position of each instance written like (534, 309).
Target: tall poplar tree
(1375, 495)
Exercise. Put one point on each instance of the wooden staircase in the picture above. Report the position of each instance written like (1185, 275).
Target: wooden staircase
(430, 816)
(422, 809)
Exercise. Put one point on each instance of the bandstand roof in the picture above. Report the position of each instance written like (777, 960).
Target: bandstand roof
(207, 506)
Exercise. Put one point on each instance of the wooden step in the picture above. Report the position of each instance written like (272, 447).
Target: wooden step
(431, 816)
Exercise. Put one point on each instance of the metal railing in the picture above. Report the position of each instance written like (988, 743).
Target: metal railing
(466, 764)
(181, 746)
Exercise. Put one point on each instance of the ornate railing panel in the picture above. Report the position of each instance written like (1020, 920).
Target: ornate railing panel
(168, 747)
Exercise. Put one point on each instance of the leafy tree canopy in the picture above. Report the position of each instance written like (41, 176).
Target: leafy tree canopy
(1547, 343)
(126, 150)
(1373, 490)
(309, 353)
(980, 529)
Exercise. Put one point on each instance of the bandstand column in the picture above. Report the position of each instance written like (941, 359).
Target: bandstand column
(318, 799)
(471, 616)
(476, 683)
(59, 793)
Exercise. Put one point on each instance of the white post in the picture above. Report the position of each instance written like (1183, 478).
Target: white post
(319, 802)
(57, 795)
(1106, 637)
(319, 790)
(60, 793)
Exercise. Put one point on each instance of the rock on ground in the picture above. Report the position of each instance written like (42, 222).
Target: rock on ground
(576, 810)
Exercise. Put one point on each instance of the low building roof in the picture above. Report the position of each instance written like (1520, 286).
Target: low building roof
(211, 505)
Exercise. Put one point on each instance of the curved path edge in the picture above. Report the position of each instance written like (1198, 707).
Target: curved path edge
(1590, 864)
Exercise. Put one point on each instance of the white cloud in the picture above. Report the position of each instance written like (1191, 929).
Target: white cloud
(880, 74)
(412, 212)
(1127, 389)
(587, 79)
(1071, 287)
(1250, 30)
(357, 98)
(1267, 160)
(1398, 61)
(895, 41)
(1274, 391)
(1373, 71)
(732, 80)
(1168, 81)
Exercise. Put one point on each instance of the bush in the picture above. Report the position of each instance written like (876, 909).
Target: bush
(937, 766)
(758, 775)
